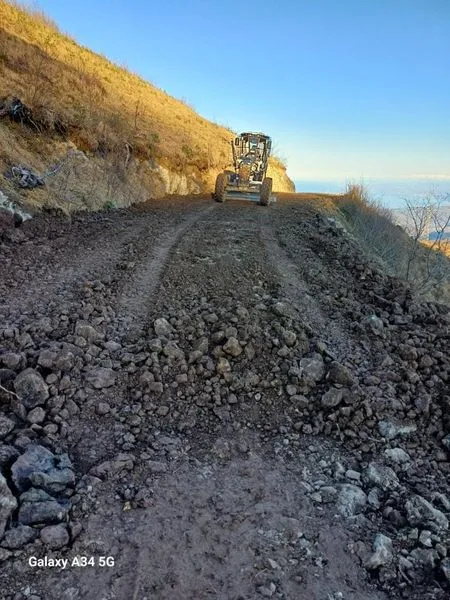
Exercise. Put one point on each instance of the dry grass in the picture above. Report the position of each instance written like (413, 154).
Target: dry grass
(426, 266)
(104, 105)
(103, 109)
(374, 224)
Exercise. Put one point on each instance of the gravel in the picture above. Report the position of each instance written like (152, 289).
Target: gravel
(288, 346)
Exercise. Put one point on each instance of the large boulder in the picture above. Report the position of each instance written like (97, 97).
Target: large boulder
(41, 468)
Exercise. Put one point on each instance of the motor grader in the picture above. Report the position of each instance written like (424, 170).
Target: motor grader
(248, 181)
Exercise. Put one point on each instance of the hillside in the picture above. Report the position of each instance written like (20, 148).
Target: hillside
(98, 133)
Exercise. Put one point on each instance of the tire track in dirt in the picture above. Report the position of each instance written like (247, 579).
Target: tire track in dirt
(292, 284)
(93, 258)
(299, 294)
(133, 301)
(51, 263)
(222, 257)
(131, 305)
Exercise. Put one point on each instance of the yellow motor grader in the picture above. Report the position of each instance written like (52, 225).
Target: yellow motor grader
(251, 153)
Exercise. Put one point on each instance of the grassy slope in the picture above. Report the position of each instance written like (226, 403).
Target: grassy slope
(373, 225)
(102, 106)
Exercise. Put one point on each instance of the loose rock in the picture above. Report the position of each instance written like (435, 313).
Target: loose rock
(351, 500)
(6, 426)
(55, 536)
(19, 536)
(41, 468)
(382, 555)
(101, 377)
(31, 388)
(8, 504)
(162, 327)
(332, 398)
(340, 374)
(232, 347)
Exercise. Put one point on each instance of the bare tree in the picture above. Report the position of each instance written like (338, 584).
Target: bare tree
(428, 216)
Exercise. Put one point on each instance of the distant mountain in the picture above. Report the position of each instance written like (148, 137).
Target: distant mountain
(437, 235)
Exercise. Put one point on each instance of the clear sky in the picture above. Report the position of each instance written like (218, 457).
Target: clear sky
(347, 88)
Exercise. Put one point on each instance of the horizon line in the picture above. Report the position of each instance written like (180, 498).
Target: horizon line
(344, 179)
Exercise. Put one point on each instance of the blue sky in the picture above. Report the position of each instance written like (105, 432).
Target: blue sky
(348, 89)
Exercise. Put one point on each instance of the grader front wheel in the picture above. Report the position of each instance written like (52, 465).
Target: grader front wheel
(265, 191)
(221, 186)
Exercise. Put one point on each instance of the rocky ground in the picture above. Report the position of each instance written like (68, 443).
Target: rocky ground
(218, 401)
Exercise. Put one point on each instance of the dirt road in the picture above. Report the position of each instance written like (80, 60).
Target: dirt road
(247, 404)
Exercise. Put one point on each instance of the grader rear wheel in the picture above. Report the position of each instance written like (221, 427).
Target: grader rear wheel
(265, 191)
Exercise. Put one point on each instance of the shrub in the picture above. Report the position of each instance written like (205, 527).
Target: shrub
(109, 205)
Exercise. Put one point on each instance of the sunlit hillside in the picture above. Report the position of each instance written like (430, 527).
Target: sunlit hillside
(80, 98)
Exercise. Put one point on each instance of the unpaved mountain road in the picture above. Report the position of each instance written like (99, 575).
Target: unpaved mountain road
(231, 402)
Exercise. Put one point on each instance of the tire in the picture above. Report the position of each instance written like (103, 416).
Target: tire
(221, 185)
(265, 191)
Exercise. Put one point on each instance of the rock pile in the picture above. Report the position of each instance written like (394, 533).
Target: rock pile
(35, 499)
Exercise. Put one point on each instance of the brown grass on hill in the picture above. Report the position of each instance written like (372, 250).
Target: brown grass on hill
(104, 105)
(104, 109)
(373, 223)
